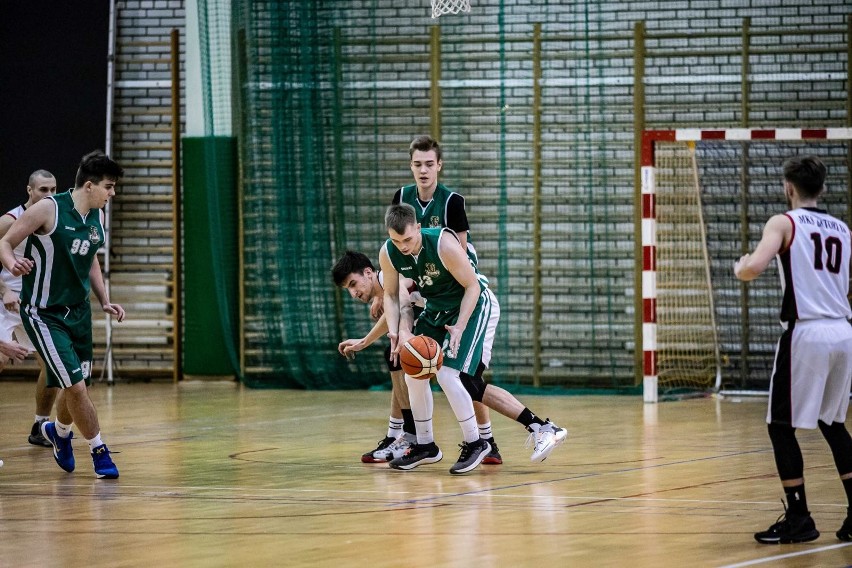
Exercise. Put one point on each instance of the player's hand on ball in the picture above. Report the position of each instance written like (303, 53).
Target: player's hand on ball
(403, 337)
(421, 357)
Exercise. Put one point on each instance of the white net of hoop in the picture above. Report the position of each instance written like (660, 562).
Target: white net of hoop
(441, 7)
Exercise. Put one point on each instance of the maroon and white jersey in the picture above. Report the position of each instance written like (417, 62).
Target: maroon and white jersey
(814, 268)
(14, 282)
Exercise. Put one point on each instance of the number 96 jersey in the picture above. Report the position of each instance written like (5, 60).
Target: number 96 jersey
(62, 257)
(814, 268)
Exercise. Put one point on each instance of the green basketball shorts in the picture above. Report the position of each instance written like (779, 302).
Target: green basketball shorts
(62, 335)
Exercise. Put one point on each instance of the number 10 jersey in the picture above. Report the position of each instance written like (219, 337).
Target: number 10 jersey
(814, 268)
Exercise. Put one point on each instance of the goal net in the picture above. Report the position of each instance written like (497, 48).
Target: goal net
(706, 195)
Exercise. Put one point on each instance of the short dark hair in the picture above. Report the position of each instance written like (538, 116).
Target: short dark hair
(806, 173)
(350, 263)
(399, 216)
(94, 167)
(424, 144)
(38, 173)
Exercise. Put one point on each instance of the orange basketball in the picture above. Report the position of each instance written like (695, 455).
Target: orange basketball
(421, 357)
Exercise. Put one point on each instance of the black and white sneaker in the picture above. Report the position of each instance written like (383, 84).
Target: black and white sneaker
(471, 456)
(544, 438)
(378, 455)
(788, 529)
(36, 438)
(418, 454)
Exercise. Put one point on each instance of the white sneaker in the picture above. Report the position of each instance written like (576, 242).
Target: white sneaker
(544, 437)
(397, 449)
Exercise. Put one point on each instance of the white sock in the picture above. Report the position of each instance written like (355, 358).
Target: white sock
(39, 418)
(422, 405)
(394, 427)
(460, 402)
(95, 442)
(485, 431)
(64, 430)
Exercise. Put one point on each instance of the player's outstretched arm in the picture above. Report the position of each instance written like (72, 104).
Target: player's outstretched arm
(776, 235)
(349, 347)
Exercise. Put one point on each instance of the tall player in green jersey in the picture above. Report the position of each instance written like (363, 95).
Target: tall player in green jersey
(459, 311)
(436, 205)
(60, 268)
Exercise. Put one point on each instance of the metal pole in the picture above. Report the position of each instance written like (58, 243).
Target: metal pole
(177, 248)
(745, 329)
(435, 82)
(238, 81)
(638, 129)
(108, 208)
(536, 110)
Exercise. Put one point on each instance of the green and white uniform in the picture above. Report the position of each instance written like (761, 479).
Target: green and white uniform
(445, 209)
(55, 294)
(443, 295)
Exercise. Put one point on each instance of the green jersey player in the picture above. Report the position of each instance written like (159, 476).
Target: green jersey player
(458, 314)
(60, 267)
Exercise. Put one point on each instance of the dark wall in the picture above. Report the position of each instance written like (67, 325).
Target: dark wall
(53, 87)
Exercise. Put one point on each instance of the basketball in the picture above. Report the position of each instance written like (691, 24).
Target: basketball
(421, 357)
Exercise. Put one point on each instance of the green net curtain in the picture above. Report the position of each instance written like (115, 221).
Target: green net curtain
(330, 93)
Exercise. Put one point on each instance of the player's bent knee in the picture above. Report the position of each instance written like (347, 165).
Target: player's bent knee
(474, 386)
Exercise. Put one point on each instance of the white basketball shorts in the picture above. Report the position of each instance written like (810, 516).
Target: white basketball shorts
(11, 327)
(812, 374)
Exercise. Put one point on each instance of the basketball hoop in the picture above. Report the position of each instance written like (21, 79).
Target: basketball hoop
(441, 7)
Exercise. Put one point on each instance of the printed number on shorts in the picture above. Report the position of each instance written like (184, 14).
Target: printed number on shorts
(833, 249)
(80, 247)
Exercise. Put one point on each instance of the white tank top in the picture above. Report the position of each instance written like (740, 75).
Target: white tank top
(814, 269)
(14, 282)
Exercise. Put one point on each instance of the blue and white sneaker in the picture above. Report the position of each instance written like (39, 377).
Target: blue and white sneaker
(63, 453)
(104, 468)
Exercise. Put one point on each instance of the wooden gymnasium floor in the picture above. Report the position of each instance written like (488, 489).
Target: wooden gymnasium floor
(217, 475)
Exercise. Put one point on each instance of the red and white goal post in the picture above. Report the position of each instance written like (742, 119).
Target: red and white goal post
(681, 328)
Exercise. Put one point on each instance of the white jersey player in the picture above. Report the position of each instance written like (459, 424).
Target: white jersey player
(813, 362)
(41, 184)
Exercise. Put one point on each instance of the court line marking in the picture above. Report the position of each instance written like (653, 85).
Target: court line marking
(169, 491)
(585, 476)
(788, 555)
